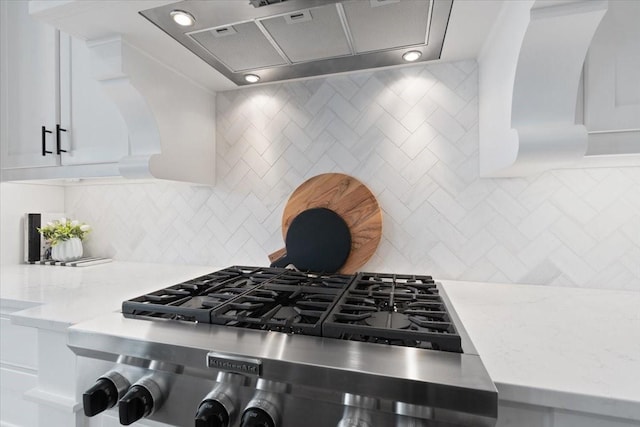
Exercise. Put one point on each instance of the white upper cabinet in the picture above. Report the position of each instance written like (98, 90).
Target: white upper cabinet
(95, 130)
(612, 89)
(49, 92)
(533, 113)
(109, 110)
(29, 76)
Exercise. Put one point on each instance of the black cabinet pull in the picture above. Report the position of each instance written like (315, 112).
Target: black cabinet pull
(44, 141)
(58, 148)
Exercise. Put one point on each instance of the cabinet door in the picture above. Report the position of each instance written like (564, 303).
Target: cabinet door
(95, 130)
(28, 86)
(612, 91)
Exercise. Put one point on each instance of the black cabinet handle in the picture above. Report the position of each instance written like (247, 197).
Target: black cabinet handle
(44, 141)
(58, 148)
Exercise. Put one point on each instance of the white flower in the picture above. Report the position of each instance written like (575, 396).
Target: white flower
(63, 220)
(49, 224)
(85, 227)
(75, 223)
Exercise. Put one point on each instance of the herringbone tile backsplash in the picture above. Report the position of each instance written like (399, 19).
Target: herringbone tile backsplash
(411, 135)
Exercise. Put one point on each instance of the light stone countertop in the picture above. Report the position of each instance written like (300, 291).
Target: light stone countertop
(569, 348)
(57, 297)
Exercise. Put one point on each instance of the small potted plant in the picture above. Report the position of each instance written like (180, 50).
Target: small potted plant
(65, 237)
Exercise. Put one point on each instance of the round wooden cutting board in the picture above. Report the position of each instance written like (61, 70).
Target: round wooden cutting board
(350, 199)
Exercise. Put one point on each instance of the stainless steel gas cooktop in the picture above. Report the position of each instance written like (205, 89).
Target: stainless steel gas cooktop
(256, 346)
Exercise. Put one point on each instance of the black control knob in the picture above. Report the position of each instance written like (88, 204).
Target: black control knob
(256, 417)
(105, 393)
(102, 396)
(211, 413)
(136, 404)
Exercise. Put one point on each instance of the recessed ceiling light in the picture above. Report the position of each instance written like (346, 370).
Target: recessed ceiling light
(251, 78)
(182, 18)
(412, 55)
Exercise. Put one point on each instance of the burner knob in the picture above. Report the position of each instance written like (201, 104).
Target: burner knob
(105, 393)
(136, 404)
(264, 409)
(142, 400)
(211, 413)
(220, 406)
(256, 417)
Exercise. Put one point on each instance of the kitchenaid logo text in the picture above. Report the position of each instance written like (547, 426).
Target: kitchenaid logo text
(234, 364)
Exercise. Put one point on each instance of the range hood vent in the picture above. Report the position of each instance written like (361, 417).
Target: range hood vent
(260, 3)
(304, 38)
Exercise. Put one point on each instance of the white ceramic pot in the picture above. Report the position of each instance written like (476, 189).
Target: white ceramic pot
(67, 250)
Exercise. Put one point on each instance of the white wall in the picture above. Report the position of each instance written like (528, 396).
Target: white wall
(411, 135)
(15, 201)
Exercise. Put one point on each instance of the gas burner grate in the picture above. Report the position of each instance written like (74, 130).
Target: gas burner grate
(280, 307)
(194, 299)
(393, 309)
(299, 278)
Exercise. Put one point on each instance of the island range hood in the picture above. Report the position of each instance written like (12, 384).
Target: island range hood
(273, 40)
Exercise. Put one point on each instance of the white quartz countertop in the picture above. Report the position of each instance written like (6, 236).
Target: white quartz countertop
(568, 348)
(57, 297)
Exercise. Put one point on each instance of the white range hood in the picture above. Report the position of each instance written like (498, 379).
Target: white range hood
(273, 40)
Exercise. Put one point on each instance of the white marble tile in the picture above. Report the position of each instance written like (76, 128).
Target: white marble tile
(343, 158)
(319, 123)
(319, 98)
(509, 264)
(476, 247)
(609, 189)
(393, 129)
(572, 265)
(342, 108)
(446, 261)
(451, 102)
(447, 152)
(508, 206)
(468, 116)
(256, 162)
(297, 136)
(418, 167)
(411, 135)
(367, 93)
(444, 123)
(447, 206)
(341, 131)
(608, 251)
(573, 206)
(419, 140)
(539, 220)
(449, 74)
(476, 219)
(344, 85)
(609, 219)
(393, 104)
(447, 178)
(538, 250)
(391, 205)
